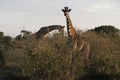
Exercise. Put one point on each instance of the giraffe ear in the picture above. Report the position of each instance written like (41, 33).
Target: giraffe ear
(63, 10)
(69, 10)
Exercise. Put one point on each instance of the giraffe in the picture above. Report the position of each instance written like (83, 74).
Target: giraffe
(44, 30)
(75, 41)
(35, 38)
(41, 33)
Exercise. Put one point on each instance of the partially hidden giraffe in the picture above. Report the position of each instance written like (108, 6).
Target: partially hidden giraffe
(44, 30)
(75, 41)
(40, 35)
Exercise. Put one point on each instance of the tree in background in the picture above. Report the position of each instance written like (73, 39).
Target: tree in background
(107, 30)
(2, 59)
(18, 37)
(7, 40)
(1, 36)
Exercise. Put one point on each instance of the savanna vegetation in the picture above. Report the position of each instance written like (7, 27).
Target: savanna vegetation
(48, 58)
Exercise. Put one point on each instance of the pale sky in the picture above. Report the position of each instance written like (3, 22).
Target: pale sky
(31, 15)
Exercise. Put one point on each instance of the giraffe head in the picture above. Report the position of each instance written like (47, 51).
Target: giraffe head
(61, 28)
(66, 11)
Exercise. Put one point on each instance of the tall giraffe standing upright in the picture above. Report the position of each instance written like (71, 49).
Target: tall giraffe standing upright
(75, 41)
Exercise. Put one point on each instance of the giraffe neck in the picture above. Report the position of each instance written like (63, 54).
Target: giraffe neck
(70, 29)
(44, 30)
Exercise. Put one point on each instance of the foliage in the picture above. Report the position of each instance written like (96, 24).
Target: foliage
(1, 36)
(7, 39)
(107, 29)
(18, 37)
(49, 59)
(104, 58)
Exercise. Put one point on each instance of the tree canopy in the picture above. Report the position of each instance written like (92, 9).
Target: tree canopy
(106, 29)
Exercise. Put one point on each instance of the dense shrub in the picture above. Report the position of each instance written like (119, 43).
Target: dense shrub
(104, 57)
(49, 59)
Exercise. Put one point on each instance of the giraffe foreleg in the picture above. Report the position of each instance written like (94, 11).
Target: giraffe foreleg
(80, 46)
